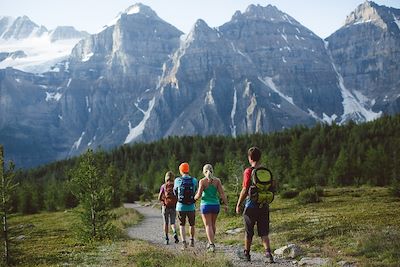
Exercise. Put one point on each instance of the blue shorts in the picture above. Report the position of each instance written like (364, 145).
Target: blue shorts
(204, 209)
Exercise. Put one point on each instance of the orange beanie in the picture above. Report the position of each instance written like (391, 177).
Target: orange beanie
(184, 167)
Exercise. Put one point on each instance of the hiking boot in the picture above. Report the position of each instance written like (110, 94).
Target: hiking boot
(176, 239)
(211, 248)
(192, 242)
(184, 245)
(244, 255)
(269, 257)
(166, 242)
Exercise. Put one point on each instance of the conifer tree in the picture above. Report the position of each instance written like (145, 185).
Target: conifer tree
(340, 175)
(114, 182)
(94, 195)
(7, 186)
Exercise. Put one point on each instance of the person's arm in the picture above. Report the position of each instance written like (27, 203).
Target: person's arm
(160, 195)
(222, 194)
(242, 197)
(199, 190)
(176, 187)
(245, 189)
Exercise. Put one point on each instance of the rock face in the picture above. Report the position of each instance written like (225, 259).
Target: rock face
(19, 28)
(140, 79)
(366, 52)
(66, 32)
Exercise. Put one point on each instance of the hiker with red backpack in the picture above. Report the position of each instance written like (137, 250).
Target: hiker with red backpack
(168, 210)
(258, 193)
(185, 188)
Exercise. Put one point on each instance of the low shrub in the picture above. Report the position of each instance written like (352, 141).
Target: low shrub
(310, 195)
(289, 193)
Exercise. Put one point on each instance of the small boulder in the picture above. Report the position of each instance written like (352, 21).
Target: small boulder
(234, 231)
(20, 238)
(346, 264)
(291, 251)
(307, 261)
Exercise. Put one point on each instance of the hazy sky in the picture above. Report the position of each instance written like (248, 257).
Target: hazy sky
(323, 17)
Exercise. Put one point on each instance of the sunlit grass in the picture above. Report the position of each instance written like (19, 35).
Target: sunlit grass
(355, 224)
(339, 227)
(47, 239)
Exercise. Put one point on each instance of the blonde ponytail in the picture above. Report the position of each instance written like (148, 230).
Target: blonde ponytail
(208, 171)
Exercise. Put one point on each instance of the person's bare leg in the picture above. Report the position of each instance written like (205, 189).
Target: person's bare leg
(183, 232)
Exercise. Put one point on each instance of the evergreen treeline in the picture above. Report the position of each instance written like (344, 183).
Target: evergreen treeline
(299, 158)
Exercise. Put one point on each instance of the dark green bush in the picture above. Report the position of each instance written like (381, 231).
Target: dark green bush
(310, 195)
(289, 193)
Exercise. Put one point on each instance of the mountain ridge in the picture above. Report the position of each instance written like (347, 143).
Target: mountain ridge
(140, 79)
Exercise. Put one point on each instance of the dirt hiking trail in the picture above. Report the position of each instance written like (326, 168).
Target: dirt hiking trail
(150, 229)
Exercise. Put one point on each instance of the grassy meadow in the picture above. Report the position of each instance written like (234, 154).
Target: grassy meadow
(48, 239)
(359, 225)
(354, 224)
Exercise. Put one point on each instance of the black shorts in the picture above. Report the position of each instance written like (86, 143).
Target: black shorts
(182, 217)
(253, 216)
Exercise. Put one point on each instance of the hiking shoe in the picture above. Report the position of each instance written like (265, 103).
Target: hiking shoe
(269, 257)
(244, 255)
(211, 248)
(192, 242)
(166, 242)
(184, 245)
(176, 239)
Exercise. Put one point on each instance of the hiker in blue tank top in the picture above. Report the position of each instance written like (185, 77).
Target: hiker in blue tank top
(210, 189)
(185, 188)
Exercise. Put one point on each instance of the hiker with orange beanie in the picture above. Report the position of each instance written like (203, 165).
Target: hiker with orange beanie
(185, 188)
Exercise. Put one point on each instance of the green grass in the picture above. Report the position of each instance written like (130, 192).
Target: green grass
(349, 224)
(49, 241)
(355, 224)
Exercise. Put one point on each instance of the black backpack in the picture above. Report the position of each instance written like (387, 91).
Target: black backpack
(261, 189)
(186, 191)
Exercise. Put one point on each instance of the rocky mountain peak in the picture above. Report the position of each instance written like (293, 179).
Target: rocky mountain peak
(199, 34)
(367, 12)
(23, 27)
(139, 8)
(201, 28)
(66, 32)
(134, 10)
(269, 13)
(5, 22)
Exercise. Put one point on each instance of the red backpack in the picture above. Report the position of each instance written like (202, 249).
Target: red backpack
(169, 197)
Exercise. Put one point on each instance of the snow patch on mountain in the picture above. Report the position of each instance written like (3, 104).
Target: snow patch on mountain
(138, 129)
(329, 119)
(77, 143)
(314, 115)
(268, 81)
(41, 53)
(352, 107)
(53, 96)
(233, 113)
(87, 57)
(209, 99)
(135, 9)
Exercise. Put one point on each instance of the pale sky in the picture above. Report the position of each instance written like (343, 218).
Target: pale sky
(323, 17)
